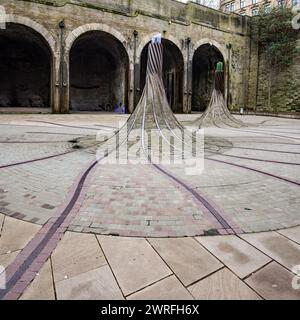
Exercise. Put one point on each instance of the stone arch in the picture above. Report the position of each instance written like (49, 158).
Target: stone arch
(148, 38)
(216, 44)
(12, 18)
(73, 35)
(99, 64)
(173, 73)
(36, 51)
(204, 59)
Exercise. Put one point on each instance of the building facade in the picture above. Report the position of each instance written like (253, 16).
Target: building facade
(91, 56)
(252, 7)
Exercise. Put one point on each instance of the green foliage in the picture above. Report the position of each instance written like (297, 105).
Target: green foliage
(275, 35)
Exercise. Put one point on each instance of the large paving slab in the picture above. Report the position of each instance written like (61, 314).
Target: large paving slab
(281, 249)
(291, 233)
(76, 253)
(98, 284)
(16, 234)
(166, 289)
(42, 286)
(134, 262)
(274, 282)
(187, 259)
(222, 285)
(7, 258)
(235, 253)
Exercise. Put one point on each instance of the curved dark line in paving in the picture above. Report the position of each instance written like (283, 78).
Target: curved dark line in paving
(17, 142)
(262, 133)
(222, 221)
(255, 159)
(45, 158)
(35, 253)
(37, 159)
(256, 149)
(58, 133)
(63, 125)
(103, 126)
(273, 131)
(23, 269)
(196, 195)
(268, 142)
(286, 128)
(297, 183)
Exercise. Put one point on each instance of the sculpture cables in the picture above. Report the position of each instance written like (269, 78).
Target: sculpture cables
(217, 113)
(152, 130)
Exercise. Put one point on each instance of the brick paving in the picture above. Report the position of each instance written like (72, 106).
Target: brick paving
(33, 191)
(139, 201)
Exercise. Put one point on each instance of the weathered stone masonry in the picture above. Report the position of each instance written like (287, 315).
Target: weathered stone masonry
(118, 31)
(275, 92)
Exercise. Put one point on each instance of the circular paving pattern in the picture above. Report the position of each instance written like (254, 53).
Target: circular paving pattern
(250, 181)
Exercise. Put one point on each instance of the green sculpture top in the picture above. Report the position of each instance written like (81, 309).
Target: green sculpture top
(219, 67)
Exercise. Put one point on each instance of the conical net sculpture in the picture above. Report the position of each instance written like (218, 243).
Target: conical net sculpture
(217, 113)
(152, 131)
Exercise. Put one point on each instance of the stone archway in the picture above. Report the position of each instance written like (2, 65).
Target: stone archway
(173, 73)
(148, 38)
(73, 35)
(204, 63)
(98, 68)
(221, 48)
(41, 30)
(26, 61)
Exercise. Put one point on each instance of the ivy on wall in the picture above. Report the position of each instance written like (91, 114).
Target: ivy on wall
(277, 48)
(276, 37)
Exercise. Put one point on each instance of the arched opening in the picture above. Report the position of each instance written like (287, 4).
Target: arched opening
(173, 68)
(98, 73)
(25, 68)
(204, 64)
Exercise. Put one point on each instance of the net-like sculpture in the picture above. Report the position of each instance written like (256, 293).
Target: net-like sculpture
(217, 113)
(154, 118)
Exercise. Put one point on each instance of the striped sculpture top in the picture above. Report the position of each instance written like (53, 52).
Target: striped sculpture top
(155, 59)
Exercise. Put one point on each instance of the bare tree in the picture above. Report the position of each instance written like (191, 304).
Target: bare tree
(209, 3)
(215, 4)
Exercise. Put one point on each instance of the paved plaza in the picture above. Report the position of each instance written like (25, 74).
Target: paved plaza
(73, 228)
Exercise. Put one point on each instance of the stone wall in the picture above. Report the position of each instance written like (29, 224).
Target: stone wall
(279, 90)
(188, 26)
(273, 90)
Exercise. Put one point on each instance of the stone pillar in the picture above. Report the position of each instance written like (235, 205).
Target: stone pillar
(66, 85)
(188, 77)
(54, 90)
(185, 90)
(135, 71)
(131, 87)
(189, 86)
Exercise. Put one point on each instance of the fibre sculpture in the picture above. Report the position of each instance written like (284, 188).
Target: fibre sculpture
(153, 116)
(217, 113)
